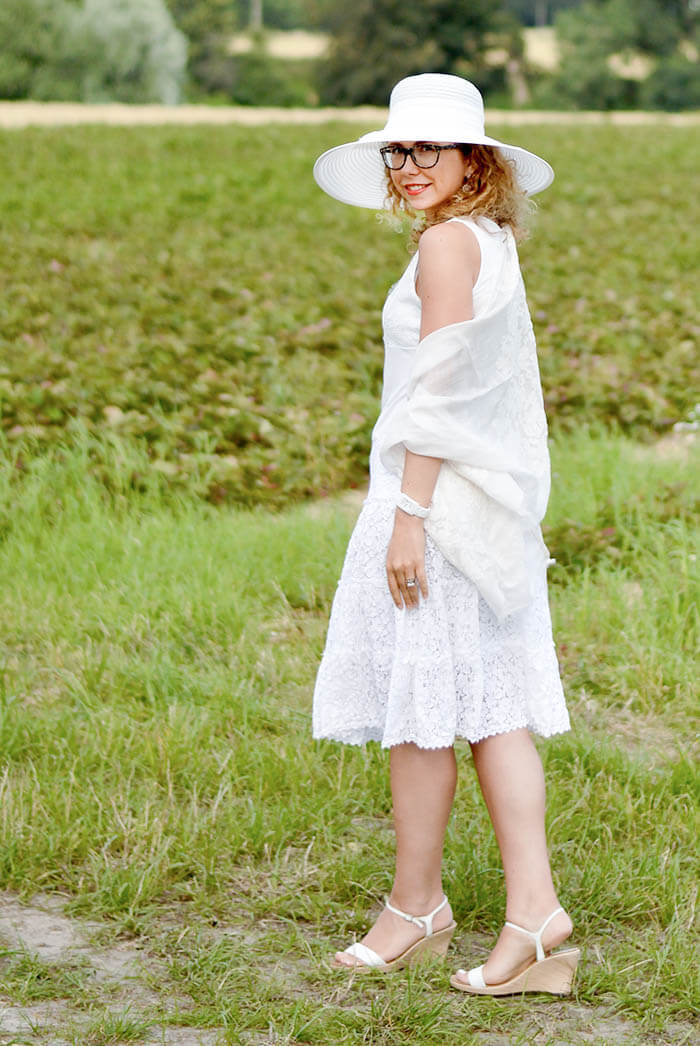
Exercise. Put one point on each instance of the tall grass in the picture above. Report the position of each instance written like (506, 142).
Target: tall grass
(157, 659)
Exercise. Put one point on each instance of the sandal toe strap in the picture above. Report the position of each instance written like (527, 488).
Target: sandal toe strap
(476, 977)
(364, 954)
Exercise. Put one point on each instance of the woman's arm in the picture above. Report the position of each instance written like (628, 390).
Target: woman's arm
(448, 265)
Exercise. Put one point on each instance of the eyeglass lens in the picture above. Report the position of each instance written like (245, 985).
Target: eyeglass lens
(426, 155)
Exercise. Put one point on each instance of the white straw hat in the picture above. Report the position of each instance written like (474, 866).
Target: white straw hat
(430, 107)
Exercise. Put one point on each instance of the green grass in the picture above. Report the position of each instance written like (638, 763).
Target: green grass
(111, 1029)
(26, 979)
(190, 338)
(157, 656)
(192, 288)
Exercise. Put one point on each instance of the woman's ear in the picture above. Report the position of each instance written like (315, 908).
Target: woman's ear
(468, 168)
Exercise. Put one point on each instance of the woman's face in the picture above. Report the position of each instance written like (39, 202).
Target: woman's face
(425, 188)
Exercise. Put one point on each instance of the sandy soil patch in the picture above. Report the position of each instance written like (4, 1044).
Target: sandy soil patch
(58, 114)
(50, 935)
(43, 930)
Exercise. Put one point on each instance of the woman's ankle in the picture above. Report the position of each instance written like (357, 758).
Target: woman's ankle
(416, 901)
(529, 909)
(552, 916)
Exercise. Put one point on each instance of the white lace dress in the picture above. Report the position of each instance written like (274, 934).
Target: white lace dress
(448, 668)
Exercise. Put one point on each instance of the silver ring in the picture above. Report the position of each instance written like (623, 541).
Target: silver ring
(411, 583)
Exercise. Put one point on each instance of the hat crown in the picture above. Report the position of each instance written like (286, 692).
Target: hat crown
(438, 89)
(435, 106)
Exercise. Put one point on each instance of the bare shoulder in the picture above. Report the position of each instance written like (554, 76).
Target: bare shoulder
(449, 245)
(449, 259)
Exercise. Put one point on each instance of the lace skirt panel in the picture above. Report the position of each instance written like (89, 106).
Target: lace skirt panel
(444, 670)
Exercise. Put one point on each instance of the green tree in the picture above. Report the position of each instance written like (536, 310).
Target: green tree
(208, 26)
(660, 25)
(673, 85)
(597, 29)
(538, 12)
(90, 50)
(127, 51)
(277, 14)
(290, 14)
(30, 33)
(377, 43)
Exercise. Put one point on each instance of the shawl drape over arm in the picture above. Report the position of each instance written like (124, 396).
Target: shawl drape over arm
(475, 400)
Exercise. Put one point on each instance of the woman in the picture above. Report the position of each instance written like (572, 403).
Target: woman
(440, 626)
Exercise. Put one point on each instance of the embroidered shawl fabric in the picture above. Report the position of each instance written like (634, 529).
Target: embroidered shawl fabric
(475, 400)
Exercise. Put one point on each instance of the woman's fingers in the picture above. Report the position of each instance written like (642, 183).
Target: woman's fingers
(403, 593)
(394, 588)
(412, 592)
(405, 561)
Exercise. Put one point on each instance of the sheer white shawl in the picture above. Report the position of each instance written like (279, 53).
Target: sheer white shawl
(475, 400)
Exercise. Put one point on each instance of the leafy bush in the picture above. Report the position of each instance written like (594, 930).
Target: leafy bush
(674, 85)
(592, 32)
(259, 79)
(208, 26)
(129, 51)
(31, 32)
(585, 82)
(99, 50)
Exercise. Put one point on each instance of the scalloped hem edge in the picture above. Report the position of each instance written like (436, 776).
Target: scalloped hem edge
(379, 739)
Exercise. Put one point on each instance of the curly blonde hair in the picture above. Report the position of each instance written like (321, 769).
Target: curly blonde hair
(491, 191)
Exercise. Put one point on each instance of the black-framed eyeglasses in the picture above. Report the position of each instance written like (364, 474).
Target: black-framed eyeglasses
(423, 154)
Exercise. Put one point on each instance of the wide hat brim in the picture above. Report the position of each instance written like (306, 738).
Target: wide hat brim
(354, 173)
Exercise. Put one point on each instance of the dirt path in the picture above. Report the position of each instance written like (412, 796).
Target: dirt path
(115, 976)
(121, 979)
(56, 114)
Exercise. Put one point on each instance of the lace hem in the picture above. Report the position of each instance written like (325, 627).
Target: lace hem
(354, 741)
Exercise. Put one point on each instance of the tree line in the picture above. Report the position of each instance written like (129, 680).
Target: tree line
(170, 50)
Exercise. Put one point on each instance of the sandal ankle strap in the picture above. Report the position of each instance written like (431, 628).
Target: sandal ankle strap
(536, 934)
(424, 921)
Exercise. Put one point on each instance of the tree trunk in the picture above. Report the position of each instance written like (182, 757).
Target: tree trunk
(256, 14)
(541, 12)
(520, 92)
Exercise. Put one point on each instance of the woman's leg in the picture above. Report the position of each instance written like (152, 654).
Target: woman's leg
(512, 783)
(423, 782)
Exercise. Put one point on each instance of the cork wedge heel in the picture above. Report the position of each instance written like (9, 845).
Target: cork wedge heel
(551, 972)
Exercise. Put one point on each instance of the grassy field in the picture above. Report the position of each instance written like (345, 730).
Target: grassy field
(193, 288)
(190, 339)
(158, 655)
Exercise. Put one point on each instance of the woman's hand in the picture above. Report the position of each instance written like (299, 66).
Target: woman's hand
(405, 560)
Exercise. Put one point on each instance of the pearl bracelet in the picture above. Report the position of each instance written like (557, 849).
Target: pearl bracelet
(411, 507)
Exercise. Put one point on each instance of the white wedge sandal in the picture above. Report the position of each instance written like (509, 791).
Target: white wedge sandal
(551, 972)
(432, 943)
